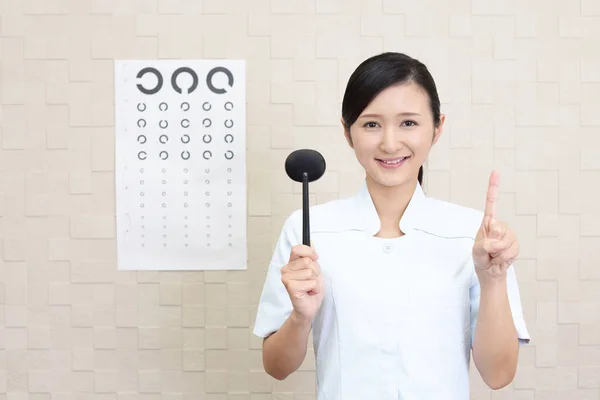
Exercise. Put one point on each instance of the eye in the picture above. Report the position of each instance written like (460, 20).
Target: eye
(370, 124)
(409, 123)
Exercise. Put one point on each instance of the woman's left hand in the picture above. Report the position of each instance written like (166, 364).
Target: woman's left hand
(496, 246)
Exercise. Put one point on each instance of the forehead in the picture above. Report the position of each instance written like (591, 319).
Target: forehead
(406, 97)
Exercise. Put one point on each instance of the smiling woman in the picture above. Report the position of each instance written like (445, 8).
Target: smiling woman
(398, 287)
(388, 95)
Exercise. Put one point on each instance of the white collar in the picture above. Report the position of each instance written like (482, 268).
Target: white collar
(368, 219)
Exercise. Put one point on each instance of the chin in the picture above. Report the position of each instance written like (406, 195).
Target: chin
(390, 181)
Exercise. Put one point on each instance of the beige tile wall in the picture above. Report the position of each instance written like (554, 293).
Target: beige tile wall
(519, 81)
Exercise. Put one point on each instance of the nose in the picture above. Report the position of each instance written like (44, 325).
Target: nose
(389, 142)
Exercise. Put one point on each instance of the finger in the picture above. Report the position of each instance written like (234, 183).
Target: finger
(497, 229)
(299, 275)
(492, 195)
(492, 246)
(303, 263)
(509, 255)
(302, 250)
(300, 288)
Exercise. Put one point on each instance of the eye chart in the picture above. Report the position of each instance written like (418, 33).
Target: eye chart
(180, 164)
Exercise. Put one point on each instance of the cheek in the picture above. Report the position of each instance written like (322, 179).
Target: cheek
(365, 148)
(419, 144)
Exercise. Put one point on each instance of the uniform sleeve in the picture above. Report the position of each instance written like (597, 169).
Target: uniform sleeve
(514, 299)
(275, 306)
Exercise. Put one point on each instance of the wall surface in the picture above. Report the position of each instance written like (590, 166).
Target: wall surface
(519, 82)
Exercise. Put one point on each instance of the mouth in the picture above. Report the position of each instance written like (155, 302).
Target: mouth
(392, 162)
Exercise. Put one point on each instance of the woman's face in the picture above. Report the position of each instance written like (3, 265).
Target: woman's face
(393, 135)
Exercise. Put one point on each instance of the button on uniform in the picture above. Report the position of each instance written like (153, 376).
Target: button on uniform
(387, 248)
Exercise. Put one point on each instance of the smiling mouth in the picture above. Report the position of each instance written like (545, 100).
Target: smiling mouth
(392, 161)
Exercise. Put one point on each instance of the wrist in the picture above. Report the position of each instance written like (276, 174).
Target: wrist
(299, 321)
(488, 281)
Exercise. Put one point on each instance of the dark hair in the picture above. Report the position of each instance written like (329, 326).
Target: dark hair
(379, 72)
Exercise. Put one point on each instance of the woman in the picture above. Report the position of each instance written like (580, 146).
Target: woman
(397, 287)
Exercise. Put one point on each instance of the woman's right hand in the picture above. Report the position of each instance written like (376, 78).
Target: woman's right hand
(303, 282)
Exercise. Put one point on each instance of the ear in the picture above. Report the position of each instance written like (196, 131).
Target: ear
(438, 129)
(347, 135)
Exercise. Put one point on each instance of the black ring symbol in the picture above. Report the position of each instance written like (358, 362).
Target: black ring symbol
(206, 122)
(142, 155)
(150, 70)
(140, 105)
(205, 105)
(163, 106)
(185, 154)
(228, 123)
(207, 138)
(207, 155)
(229, 154)
(229, 138)
(187, 71)
(185, 123)
(163, 124)
(141, 139)
(164, 155)
(185, 106)
(139, 123)
(185, 139)
(163, 137)
(209, 78)
(229, 106)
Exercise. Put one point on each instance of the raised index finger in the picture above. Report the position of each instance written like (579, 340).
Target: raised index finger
(492, 195)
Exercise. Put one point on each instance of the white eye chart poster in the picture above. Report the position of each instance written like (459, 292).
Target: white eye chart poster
(180, 164)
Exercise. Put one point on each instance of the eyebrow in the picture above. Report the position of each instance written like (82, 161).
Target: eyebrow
(403, 114)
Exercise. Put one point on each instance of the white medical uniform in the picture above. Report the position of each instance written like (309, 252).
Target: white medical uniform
(398, 317)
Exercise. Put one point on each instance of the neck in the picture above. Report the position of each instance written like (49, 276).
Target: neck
(390, 203)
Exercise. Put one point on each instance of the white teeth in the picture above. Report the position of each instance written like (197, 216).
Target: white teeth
(395, 161)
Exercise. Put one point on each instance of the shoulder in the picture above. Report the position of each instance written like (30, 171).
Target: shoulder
(332, 216)
(444, 218)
